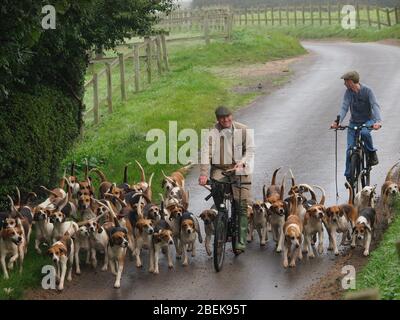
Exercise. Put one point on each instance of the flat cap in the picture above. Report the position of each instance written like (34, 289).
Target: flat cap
(351, 75)
(222, 111)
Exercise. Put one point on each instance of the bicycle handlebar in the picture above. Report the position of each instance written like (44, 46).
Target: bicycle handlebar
(227, 173)
(341, 128)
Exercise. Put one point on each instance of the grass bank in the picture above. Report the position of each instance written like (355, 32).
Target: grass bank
(14, 287)
(324, 32)
(383, 268)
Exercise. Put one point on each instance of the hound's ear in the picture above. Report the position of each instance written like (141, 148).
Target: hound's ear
(202, 215)
(156, 236)
(328, 212)
(354, 229)
(63, 250)
(368, 226)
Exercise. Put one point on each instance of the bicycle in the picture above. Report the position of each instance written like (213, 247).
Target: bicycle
(225, 225)
(360, 169)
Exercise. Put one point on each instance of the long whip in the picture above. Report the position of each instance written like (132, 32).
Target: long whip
(336, 160)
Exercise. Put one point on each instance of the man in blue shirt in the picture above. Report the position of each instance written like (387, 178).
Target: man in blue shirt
(364, 109)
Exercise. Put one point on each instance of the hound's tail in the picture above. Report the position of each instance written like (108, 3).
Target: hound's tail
(273, 182)
(101, 174)
(186, 168)
(350, 193)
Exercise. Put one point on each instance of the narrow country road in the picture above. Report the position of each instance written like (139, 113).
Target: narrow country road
(291, 130)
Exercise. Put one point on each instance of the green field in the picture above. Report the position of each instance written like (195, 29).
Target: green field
(188, 95)
(324, 32)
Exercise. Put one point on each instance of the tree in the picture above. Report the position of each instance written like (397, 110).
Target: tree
(38, 64)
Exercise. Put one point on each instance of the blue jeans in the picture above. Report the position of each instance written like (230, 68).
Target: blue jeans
(351, 141)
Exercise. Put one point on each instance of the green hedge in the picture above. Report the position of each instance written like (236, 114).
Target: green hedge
(36, 132)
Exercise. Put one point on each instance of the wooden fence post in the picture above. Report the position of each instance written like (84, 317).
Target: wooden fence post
(396, 15)
(339, 12)
(368, 16)
(302, 15)
(388, 17)
(164, 50)
(258, 16)
(358, 16)
(122, 75)
(320, 14)
(148, 58)
(109, 87)
(245, 16)
(378, 17)
(95, 99)
(136, 65)
(329, 14)
(206, 30)
(266, 15)
(312, 14)
(287, 14)
(272, 15)
(158, 47)
(295, 16)
(280, 16)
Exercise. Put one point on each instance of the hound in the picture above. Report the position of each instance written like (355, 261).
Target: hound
(208, 217)
(260, 221)
(362, 198)
(293, 235)
(312, 225)
(364, 226)
(340, 219)
(62, 254)
(176, 179)
(389, 192)
(162, 240)
(12, 243)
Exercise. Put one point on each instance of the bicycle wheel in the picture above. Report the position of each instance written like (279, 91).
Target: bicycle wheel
(355, 164)
(220, 233)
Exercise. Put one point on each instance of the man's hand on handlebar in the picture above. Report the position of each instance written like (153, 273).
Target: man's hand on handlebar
(334, 125)
(203, 180)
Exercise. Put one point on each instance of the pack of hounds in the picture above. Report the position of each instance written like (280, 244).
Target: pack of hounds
(72, 223)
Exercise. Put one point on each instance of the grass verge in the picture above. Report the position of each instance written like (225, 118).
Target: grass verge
(13, 288)
(323, 32)
(383, 268)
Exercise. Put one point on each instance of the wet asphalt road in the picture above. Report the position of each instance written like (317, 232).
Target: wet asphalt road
(291, 130)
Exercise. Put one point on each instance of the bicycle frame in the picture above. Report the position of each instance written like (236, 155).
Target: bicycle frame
(227, 226)
(364, 168)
